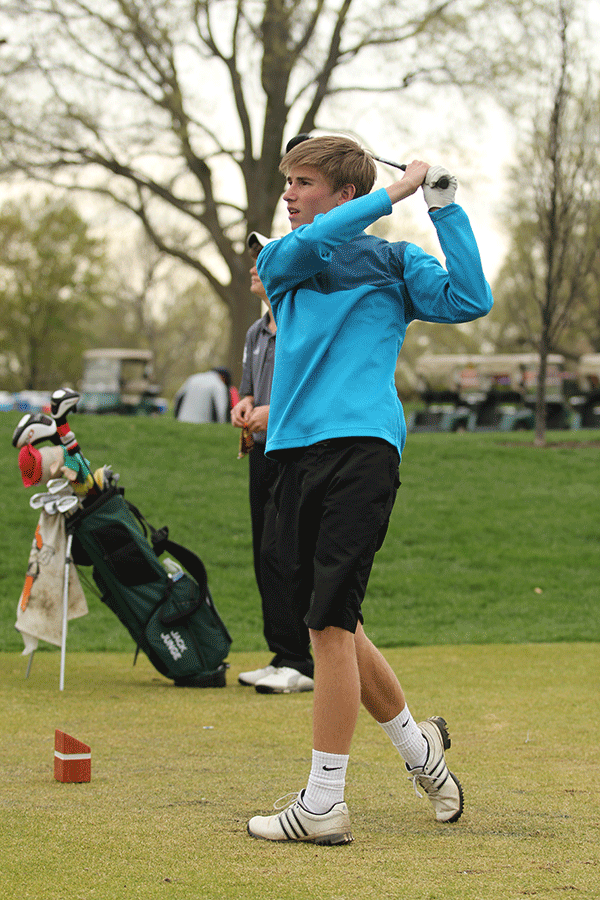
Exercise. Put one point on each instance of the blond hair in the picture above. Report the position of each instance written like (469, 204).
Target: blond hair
(339, 159)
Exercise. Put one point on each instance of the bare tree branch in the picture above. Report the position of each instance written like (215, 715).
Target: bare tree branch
(179, 108)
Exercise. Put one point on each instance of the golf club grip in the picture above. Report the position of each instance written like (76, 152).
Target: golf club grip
(442, 183)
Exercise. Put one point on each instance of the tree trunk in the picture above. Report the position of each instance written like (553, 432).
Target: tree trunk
(540, 395)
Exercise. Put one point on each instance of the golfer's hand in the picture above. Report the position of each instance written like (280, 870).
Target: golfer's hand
(241, 412)
(410, 182)
(258, 419)
(436, 197)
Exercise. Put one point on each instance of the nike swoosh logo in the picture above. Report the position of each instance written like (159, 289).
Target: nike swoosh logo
(331, 768)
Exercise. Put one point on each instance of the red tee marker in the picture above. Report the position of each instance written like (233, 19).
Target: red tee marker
(72, 759)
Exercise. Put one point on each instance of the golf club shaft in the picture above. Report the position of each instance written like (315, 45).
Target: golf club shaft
(442, 183)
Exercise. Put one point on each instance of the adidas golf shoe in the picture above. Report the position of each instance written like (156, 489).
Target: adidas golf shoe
(296, 823)
(440, 785)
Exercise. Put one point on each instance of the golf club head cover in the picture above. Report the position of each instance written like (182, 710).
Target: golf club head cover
(437, 196)
(62, 402)
(30, 464)
(34, 428)
(78, 465)
(39, 466)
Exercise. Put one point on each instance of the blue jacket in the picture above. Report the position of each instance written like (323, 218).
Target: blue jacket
(342, 301)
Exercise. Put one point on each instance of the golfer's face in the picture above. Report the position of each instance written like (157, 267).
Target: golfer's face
(256, 285)
(308, 194)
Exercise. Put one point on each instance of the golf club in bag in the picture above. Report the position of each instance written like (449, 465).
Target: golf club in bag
(169, 614)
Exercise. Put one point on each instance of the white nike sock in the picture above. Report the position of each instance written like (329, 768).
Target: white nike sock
(326, 781)
(407, 738)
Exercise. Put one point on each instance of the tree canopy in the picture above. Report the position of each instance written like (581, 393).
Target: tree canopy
(548, 286)
(51, 282)
(178, 109)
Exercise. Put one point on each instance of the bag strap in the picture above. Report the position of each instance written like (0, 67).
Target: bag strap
(145, 525)
(161, 544)
(159, 538)
(189, 561)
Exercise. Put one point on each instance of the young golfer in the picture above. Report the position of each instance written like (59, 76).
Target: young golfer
(342, 301)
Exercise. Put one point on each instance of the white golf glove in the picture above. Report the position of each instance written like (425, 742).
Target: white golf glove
(436, 196)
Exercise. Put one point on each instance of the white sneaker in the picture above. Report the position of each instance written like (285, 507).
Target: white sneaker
(284, 680)
(250, 678)
(296, 823)
(440, 785)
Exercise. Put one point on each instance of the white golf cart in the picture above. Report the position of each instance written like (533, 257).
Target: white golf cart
(496, 392)
(119, 381)
(587, 401)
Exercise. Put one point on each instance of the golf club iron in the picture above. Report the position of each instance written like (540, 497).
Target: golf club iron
(67, 505)
(37, 501)
(58, 486)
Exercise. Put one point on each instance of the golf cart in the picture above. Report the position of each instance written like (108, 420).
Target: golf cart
(446, 395)
(510, 381)
(118, 381)
(443, 411)
(586, 403)
(493, 392)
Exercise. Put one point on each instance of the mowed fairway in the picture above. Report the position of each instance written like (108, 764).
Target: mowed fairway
(485, 598)
(176, 773)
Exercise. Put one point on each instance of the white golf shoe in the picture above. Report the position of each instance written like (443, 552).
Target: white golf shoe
(440, 785)
(284, 680)
(250, 678)
(296, 823)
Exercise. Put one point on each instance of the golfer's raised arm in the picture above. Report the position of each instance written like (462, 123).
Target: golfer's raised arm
(410, 182)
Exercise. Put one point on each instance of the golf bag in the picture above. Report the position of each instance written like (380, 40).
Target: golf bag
(170, 616)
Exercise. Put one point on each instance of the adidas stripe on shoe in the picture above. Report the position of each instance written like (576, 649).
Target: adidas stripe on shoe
(296, 823)
(441, 786)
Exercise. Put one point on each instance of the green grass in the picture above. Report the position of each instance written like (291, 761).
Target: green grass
(491, 540)
(176, 773)
(485, 598)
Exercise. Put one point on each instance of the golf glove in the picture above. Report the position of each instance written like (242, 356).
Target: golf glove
(436, 196)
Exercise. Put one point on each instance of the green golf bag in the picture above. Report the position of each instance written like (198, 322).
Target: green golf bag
(170, 615)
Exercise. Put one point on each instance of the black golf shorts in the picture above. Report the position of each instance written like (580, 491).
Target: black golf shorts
(334, 500)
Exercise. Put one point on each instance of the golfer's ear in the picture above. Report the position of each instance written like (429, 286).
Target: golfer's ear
(347, 193)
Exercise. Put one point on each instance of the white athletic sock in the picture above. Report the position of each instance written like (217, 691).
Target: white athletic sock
(407, 738)
(326, 781)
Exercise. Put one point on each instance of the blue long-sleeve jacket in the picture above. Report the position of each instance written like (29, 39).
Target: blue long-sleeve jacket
(342, 301)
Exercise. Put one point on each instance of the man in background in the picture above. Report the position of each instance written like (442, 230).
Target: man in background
(203, 398)
(291, 668)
